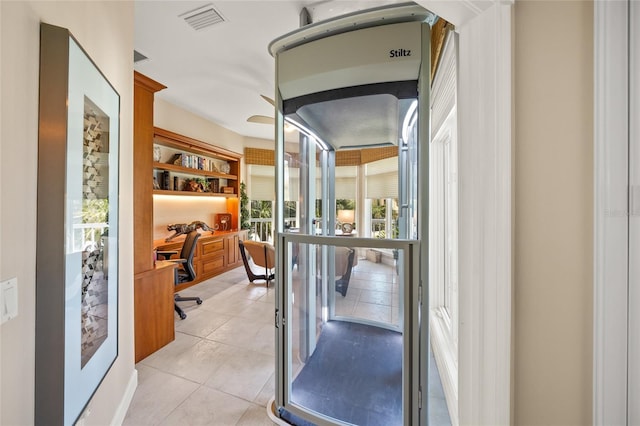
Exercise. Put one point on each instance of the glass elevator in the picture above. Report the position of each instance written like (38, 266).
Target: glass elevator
(351, 299)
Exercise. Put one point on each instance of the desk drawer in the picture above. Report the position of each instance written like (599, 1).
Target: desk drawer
(212, 247)
(212, 265)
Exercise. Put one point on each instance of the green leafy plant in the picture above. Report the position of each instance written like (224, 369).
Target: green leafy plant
(203, 183)
(245, 222)
(261, 209)
(95, 211)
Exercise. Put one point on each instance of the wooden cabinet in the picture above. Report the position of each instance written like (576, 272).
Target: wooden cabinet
(231, 245)
(153, 286)
(144, 90)
(212, 258)
(214, 254)
(153, 309)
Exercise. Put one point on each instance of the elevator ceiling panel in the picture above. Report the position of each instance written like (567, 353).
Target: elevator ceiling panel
(367, 56)
(359, 122)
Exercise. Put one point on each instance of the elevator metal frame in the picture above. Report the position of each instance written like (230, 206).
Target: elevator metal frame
(413, 263)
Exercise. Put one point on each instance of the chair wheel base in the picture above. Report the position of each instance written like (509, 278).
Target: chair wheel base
(199, 302)
(183, 315)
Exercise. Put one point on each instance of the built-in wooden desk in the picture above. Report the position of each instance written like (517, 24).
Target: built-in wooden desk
(153, 309)
(215, 253)
(154, 289)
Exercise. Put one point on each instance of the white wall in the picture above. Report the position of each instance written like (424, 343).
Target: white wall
(553, 281)
(176, 119)
(184, 209)
(105, 31)
(250, 142)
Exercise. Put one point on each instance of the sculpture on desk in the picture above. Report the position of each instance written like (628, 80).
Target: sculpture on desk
(183, 228)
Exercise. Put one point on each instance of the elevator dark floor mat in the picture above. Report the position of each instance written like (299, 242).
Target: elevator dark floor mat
(354, 375)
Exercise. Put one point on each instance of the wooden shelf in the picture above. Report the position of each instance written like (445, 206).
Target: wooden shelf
(190, 193)
(181, 142)
(190, 171)
(171, 177)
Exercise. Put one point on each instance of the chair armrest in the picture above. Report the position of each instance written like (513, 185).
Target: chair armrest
(177, 260)
(167, 254)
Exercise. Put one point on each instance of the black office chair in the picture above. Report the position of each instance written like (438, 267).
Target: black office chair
(185, 272)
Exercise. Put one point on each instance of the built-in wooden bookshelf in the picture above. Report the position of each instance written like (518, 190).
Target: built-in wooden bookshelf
(212, 170)
(154, 284)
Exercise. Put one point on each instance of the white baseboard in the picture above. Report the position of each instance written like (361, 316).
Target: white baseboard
(121, 412)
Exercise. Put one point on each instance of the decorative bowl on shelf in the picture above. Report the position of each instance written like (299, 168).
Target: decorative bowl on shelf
(347, 228)
(225, 168)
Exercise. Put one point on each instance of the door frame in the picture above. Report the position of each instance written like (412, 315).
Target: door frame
(613, 167)
(485, 206)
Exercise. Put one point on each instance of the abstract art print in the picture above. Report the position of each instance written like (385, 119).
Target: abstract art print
(77, 234)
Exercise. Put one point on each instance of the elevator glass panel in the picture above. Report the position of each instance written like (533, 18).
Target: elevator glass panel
(349, 367)
(348, 300)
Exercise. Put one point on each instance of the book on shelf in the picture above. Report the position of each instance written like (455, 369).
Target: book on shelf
(165, 180)
(192, 161)
(214, 185)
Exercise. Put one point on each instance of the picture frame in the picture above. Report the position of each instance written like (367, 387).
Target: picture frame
(223, 221)
(77, 230)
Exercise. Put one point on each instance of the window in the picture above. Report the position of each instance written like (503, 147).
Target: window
(443, 217)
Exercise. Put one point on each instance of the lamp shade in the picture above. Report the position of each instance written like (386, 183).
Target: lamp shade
(346, 216)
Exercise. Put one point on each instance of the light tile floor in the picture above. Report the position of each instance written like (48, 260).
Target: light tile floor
(220, 368)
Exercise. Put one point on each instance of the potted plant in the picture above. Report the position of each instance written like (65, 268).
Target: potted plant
(245, 222)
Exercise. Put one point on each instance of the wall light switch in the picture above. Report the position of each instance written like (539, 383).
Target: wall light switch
(8, 299)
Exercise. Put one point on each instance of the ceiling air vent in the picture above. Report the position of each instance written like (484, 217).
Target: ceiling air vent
(202, 17)
(138, 57)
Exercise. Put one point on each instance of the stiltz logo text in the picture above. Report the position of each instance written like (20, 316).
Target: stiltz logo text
(397, 53)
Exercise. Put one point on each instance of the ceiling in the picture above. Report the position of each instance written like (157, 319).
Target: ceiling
(219, 72)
